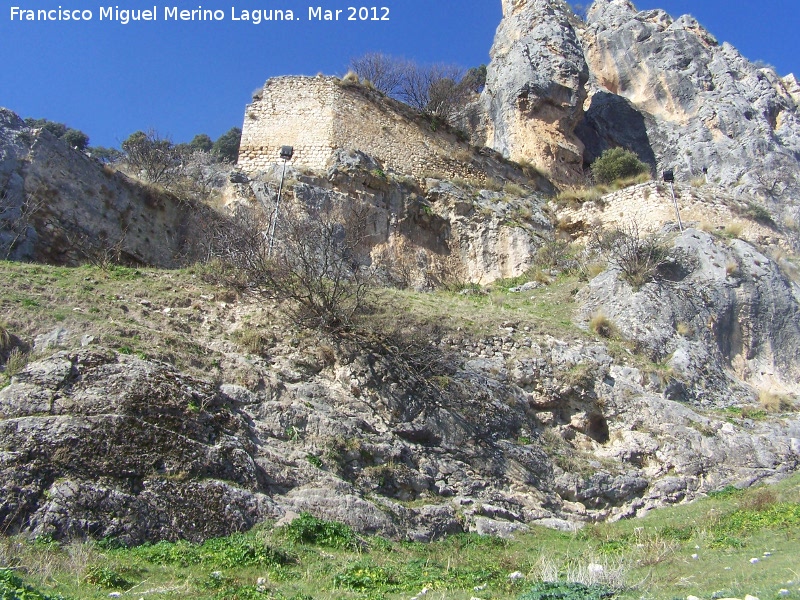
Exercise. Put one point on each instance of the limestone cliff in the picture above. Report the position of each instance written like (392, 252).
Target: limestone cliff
(560, 91)
(702, 104)
(536, 87)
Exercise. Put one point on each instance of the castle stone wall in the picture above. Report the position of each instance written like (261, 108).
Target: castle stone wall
(318, 115)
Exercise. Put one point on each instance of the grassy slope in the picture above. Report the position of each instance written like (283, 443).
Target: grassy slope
(175, 316)
(645, 558)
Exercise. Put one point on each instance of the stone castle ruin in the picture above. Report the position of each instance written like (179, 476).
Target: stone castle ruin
(319, 115)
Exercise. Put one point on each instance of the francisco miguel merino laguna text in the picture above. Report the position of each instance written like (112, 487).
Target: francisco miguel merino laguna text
(174, 13)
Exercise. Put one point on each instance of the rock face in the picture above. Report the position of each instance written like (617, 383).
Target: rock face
(536, 86)
(702, 104)
(101, 445)
(59, 206)
(720, 314)
(424, 235)
(662, 87)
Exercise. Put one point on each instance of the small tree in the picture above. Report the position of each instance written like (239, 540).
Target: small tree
(434, 89)
(153, 157)
(617, 163)
(76, 139)
(227, 145)
(106, 155)
(384, 72)
(315, 265)
(201, 142)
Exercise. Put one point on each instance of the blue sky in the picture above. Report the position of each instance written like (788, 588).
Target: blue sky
(183, 78)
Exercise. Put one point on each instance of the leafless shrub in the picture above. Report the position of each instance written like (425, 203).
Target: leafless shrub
(315, 262)
(638, 256)
(151, 156)
(436, 89)
(760, 500)
(384, 72)
(16, 221)
(198, 175)
(100, 251)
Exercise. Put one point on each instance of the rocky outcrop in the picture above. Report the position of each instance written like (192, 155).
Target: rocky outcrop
(719, 314)
(57, 205)
(95, 444)
(701, 104)
(519, 431)
(536, 86)
(421, 236)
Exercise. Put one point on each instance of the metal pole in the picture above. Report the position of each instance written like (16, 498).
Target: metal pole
(275, 217)
(675, 201)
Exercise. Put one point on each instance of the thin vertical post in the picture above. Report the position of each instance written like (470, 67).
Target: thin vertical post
(675, 201)
(275, 216)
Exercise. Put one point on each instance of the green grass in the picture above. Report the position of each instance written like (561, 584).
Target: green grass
(650, 557)
(547, 310)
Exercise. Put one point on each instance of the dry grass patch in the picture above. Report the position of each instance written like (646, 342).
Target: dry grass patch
(733, 230)
(601, 325)
(775, 402)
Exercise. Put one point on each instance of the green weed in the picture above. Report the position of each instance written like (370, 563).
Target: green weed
(307, 529)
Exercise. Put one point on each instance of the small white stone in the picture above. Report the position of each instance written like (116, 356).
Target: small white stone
(115, 594)
(767, 553)
(479, 588)
(692, 598)
(728, 568)
(595, 569)
(514, 576)
(749, 597)
(753, 561)
(695, 556)
(783, 592)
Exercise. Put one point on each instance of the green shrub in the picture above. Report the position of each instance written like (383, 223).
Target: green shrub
(237, 550)
(307, 529)
(13, 588)
(227, 145)
(362, 577)
(566, 591)
(617, 163)
(105, 578)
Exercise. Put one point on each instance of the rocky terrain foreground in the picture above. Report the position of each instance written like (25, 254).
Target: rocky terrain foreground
(514, 367)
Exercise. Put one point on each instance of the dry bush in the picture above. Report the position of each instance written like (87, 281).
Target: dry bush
(602, 325)
(314, 261)
(253, 341)
(576, 198)
(733, 230)
(17, 360)
(351, 78)
(592, 571)
(638, 256)
(514, 190)
(775, 402)
(384, 72)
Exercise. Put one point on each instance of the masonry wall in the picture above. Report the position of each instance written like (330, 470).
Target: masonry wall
(317, 115)
(293, 111)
